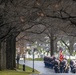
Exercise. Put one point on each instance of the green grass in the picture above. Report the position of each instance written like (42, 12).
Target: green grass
(36, 59)
(13, 73)
(19, 71)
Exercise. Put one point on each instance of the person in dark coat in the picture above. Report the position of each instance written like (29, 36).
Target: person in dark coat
(74, 67)
(65, 65)
(71, 64)
(66, 70)
(61, 66)
(56, 66)
(18, 58)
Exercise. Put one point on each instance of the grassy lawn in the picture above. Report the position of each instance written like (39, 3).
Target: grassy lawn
(36, 59)
(19, 71)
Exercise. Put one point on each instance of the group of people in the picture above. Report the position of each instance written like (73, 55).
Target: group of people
(73, 66)
(63, 66)
(60, 66)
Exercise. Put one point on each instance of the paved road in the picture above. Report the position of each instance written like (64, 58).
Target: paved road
(38, 65)
(55, 74)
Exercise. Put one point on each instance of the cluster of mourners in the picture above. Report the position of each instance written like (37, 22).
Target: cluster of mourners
(60, 66)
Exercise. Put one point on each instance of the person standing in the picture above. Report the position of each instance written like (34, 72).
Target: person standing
(18, 58)
(56, 66)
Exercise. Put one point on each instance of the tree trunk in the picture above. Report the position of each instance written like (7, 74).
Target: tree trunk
(71, 47)
(2, 55)
(55, 46)
(10, 52)
(51, 46)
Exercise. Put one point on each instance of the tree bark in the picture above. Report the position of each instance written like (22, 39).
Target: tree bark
(51, 45)
(55, 46)
(11, 52)
(2, 55)
(71, 47)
